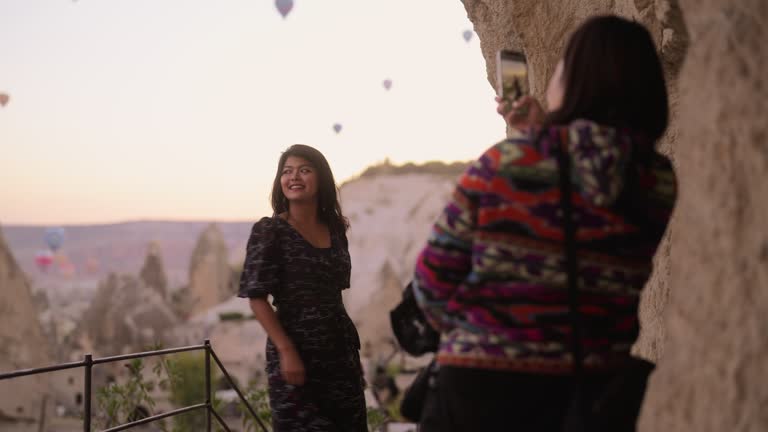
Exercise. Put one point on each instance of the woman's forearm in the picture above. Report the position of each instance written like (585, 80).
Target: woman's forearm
(267, 317)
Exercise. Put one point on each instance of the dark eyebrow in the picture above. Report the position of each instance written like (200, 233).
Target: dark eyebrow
(300, 166)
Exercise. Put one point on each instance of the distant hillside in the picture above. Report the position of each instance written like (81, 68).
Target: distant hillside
(96, 250)
(437, 168)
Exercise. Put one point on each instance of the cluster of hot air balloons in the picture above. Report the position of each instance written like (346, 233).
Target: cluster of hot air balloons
(45, 258)
(387, 83)
(286, 6)
(54, 239)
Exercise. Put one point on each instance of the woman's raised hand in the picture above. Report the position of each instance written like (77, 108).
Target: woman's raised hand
(524, 113)
(292, 367)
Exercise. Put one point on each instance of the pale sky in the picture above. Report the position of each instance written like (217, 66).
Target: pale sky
(123, 110)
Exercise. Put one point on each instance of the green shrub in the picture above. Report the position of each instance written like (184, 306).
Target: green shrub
(231, 316)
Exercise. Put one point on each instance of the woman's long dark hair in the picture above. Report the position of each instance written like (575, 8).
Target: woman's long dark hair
(612, 75)
(328, 207)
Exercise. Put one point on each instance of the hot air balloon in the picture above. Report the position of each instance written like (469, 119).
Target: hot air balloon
(43, 259)
(284, 7)
(67, 269)
(4, 98)
(60, 259)
(337, 127)
(54, 238)
(467, 35)
(92, 265)
(387, 84)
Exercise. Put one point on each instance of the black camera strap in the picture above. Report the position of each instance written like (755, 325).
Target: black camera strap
(571, 261)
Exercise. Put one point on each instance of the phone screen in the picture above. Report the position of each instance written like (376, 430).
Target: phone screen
(511, 75)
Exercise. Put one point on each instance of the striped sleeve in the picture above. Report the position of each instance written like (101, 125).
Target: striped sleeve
(446, 261)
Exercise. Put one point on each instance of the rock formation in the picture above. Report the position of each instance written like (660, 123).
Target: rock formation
(125, 316)
(22, 342)
(390, 218)
(714, 369)
(373, 319)
(703, 311)
(210, 275)
(153, 272)
(237, 338)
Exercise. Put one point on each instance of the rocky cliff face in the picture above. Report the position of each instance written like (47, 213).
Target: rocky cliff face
(715, 365)
(22, 342)
(390, 218)
(703, 310)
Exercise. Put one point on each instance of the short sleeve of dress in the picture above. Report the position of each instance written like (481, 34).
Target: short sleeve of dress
(261, 267)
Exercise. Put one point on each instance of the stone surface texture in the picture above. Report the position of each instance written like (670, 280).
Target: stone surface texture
(22, 343)
(703, 311)
(713, 373)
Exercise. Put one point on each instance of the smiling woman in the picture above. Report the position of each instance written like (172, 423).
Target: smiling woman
(300, 257)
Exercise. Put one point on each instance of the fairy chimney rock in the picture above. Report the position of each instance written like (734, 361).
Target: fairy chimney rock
(153, 271)
(209, 271)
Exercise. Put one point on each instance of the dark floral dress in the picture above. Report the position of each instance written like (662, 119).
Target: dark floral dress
(305, 283)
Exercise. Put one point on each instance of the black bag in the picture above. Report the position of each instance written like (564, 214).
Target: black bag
(616, 406)
(416, 395)
(410, 326)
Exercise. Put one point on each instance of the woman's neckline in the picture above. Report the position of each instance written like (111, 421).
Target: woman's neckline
(330, 234)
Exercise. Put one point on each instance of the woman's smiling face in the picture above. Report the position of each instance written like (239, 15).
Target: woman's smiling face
(299, 179)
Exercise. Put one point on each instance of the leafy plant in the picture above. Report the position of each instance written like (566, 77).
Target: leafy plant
(377, 418)
(182, 377)
(231, 316)
(186, 375)
(258, 399)
(123, 403)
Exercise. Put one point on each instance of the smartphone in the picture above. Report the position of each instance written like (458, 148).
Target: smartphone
(511, 75)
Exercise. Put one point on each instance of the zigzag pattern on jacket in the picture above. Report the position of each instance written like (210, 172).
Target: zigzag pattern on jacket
(492, 276)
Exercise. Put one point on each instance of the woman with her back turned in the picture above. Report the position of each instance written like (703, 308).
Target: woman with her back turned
(492, 278)
(300, 257)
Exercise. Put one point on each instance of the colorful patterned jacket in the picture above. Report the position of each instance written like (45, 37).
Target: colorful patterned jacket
(491, 278)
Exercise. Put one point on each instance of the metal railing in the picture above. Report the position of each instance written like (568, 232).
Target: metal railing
(88, 362)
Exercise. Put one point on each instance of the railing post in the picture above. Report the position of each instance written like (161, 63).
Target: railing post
(87, 396)
(208, 398)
